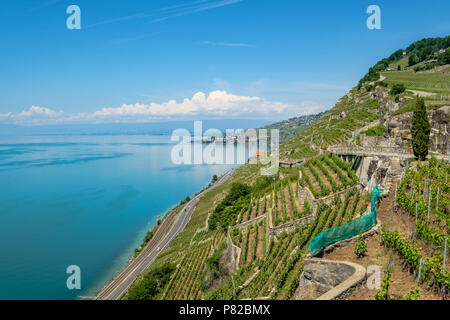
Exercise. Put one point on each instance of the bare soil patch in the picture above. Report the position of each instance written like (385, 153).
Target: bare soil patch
(260, 247)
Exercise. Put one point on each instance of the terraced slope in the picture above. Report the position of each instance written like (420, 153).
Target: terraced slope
(270, 262)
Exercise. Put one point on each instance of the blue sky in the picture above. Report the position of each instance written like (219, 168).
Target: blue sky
(180, 59)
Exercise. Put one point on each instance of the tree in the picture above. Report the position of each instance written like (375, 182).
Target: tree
(420, 130)
(413, 59)
(397, 88)
(445, 57)
(214, 178)
(152, 283)
(229, 208)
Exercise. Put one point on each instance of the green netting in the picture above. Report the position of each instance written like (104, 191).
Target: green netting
(349, 230)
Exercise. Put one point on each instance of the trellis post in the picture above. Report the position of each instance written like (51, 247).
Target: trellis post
(420, 271)
(415, 224)
(429, 203)
(437, 200)
(445, 255)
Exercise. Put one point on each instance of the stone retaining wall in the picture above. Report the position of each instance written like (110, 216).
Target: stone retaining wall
(290, 226)
(328, 280)
(243, 225)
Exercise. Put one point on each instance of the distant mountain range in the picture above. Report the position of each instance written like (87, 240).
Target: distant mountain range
(292, 127)
(288, 128)
(156, 128)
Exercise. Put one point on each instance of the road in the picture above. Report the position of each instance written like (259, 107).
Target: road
(122, 282)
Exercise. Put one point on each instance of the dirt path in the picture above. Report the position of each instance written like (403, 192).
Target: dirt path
(254, 212)
(297, 204)
(260, 208)
(313, 179)
(279, 212)
(324, 179)
(250, 245)
(287, 197)
(260, 247)
(333, 174)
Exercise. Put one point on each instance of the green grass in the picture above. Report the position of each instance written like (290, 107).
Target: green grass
(376, 131)
(403, 62)
(439, 81)
(430, 102)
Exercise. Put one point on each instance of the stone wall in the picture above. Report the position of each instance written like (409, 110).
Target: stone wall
(291, 226)
(328, 280)
(374, 171)
(399, 126)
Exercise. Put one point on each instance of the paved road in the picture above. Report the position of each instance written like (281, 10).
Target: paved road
(120, 284)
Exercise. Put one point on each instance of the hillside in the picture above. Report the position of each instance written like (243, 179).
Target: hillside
(252, 233)
(292, 127)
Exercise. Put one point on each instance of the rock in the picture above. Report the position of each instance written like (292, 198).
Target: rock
(399, 126)
(319, 277)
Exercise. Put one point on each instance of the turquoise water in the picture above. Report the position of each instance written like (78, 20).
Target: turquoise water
(82, 200)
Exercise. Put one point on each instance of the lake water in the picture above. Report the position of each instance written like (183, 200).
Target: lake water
(82, 200)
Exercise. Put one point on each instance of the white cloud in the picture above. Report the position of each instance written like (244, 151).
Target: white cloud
(215, 105)
(35, 112)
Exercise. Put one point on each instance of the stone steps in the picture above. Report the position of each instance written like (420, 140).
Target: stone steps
(395, 168)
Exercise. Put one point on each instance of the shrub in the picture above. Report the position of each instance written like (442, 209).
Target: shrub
(361, 247)
(230, 207)
(383, 293)
(152, 284)
(414, 294)
(376, 131)
(397, 88)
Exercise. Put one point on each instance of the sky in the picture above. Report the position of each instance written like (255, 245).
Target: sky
(164, 60)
